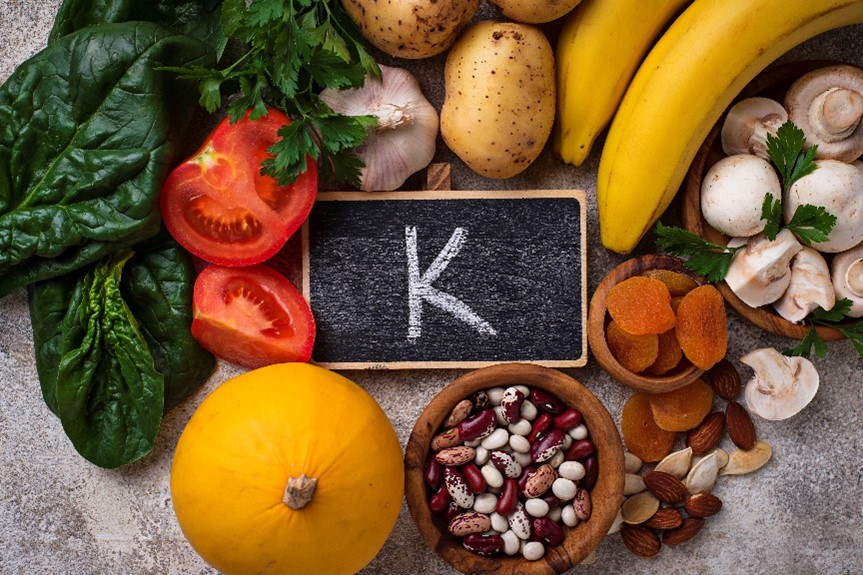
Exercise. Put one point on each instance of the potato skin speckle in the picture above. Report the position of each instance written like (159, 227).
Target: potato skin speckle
(499, 105)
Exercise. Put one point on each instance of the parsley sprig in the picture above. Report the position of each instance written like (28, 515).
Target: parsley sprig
(828, 318)
(705, 258)
(295, 48)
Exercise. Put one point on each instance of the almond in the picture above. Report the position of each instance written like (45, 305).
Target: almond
(687, 530)
(640, 540)
(702, 505)
(741, 430)
(706, 436)
(665, 486)
(665, 518)
(724, 379)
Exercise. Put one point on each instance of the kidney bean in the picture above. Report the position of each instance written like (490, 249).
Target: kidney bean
(510, 403)
(508, 497)
(433, 473)
(519, 522)
(547, 530)
(582, 504)
(469, 522)
(480, 400)
(440, 501)
(546, 401)
(458, 488)
(539, 482)
(580, 449)
(452, 510)
(448, 438)
(540, 426)
(526, 472)
(477, 426)
(474, 478)
(546, 446)
(461, 410)
(591, 472)
(552, 500)
(455, 455)
(505, 462)
(483, 544)
(568, 419)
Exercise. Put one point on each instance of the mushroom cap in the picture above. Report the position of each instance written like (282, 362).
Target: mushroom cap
(827, 104)
(810, 287)
(847, 274)
(747, 124)
(782, 385)
(838, 188)
(732, 194)
(760, 272)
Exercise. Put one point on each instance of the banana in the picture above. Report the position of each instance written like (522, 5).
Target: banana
(695, 70)
(600, 46)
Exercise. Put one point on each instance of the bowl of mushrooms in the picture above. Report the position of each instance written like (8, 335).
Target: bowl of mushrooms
(779, 181)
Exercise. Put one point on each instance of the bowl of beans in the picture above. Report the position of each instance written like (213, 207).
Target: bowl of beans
(514, 469)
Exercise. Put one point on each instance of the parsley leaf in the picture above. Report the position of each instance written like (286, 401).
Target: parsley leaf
(771, 211)
(295, 48)
(811, 223)
(786, 151)
(704, 258)
(829, 318)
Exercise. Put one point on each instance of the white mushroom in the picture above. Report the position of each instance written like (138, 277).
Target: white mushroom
(810, 287)
(733, 192)
(847, 272)
(748, 123)
(838, 188)
(760, 272)
(827, 104)
(782, 385)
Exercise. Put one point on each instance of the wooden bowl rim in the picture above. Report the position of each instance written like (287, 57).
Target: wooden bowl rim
(596, 324)
(605, 497)
(763, 317)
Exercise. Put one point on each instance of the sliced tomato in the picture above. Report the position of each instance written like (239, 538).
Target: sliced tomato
(252, 316)
(219, 206)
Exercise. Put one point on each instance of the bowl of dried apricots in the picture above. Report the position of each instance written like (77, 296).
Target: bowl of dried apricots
(654, 325)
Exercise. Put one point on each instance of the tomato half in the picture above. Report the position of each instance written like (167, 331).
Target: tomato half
(252, 316)
(219, 206)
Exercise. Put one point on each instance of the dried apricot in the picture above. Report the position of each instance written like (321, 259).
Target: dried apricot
(634, 352)
(677, 283)
(642, 436)
(641, 305)
(682, 409)
(702, 328)
(668, 355)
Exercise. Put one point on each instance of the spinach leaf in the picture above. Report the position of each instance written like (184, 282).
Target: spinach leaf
(87, 132)
(199, 19)
(109, 394)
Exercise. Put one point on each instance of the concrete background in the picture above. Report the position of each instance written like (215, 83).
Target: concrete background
(800, 514)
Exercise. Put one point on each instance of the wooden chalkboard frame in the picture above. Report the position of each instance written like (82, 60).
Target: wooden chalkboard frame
(433, 195)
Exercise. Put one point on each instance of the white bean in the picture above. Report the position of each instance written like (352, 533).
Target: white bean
(525, 390)
(481, 455)
(554, 513)
(567, 442)
(572, 470)
(497, 439)
(499, 523)
(533, 550)
(473, 442)
(536, 507)
(485, 503)
(495, 394)
(519, 443)
(578, 432)
(564, 489)
(567, 515)
(523, 458)
(511, 542)
(557, 459)
(498, 415)
(493, 476)
(529, 410)
(520, 427)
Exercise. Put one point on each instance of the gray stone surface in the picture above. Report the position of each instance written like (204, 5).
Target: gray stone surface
(60, 515)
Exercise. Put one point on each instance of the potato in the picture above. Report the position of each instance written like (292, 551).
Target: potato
(534, 11)
(411, 28)
(499, 104)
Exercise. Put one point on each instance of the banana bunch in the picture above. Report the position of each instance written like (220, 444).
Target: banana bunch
(680, 90)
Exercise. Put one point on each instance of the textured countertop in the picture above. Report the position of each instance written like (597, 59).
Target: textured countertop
(801, 514)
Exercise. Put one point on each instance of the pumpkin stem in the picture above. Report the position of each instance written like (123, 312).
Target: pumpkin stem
(299, 491)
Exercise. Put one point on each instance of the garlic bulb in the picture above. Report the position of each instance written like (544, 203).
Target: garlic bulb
(403, 141)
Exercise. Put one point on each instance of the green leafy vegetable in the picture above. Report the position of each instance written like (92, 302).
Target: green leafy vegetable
(295, 49)
(87, 132)
(704, 258)
(811, 224)
(787, 152)
(771, 212)
(829, 318)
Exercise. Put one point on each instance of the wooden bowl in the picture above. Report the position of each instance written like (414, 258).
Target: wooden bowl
(606, 495)
(772, 83)
(598, 320)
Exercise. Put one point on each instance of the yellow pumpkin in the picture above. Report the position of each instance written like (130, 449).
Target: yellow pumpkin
(288, 469)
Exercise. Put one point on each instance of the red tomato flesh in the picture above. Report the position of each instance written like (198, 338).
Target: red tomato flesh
(252, 316)
(219, 206)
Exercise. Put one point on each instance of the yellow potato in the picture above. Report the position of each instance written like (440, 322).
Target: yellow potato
(411, 29)
(534, 11)
(500, 97)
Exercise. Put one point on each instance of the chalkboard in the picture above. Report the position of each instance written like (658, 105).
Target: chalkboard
(446, 278)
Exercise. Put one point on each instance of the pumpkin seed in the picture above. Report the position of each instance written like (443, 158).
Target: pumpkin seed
(631, 462)
(702, 476)
(677, 463)
(639, 508)
(742, 461)
(632, 484)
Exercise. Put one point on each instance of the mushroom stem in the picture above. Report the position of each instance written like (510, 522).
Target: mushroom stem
(837, 111)
(299, 491)
(854, 278)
